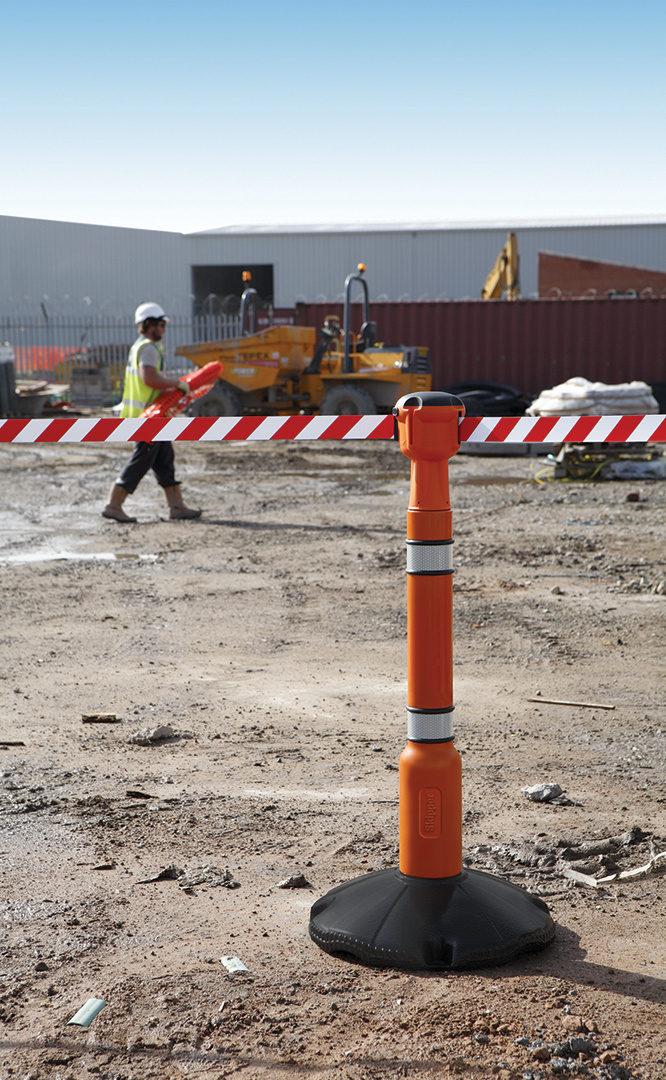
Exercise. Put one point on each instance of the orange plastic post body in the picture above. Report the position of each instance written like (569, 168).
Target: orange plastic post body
(430, 772)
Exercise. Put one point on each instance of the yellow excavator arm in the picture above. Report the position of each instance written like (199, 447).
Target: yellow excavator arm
(504, 275)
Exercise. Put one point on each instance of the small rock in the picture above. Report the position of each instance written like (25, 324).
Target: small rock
(591, 1026)
(561, 1066)
(170, 873)
(557, 591)
(459, 1065)
(296, 881)
(608, 1056)
(540, 1053)
(573, 1023)
(633, 496)
(212, 876)
(615, 1071)
(576, 1045)
(41, 966)
(152, 735)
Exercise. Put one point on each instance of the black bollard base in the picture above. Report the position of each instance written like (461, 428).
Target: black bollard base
(386, 919)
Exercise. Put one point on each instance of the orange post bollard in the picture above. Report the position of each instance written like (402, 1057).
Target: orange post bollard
(431, 912)
(430, 766)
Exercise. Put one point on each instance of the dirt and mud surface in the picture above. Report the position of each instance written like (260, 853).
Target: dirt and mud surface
(270, 637)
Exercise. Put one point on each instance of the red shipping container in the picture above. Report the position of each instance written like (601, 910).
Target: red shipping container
(529, 344)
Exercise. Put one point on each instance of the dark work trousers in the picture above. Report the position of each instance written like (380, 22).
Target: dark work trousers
(157, 456)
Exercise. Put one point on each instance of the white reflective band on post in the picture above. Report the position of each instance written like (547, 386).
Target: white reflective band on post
(429, 726)
(425, 558)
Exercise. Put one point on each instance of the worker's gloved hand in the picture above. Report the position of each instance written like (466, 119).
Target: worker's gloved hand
(184, 387)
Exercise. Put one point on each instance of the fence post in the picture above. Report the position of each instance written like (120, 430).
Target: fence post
(430, 912)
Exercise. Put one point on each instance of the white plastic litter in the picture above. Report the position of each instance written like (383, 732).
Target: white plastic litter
(542, 792)
(655, 469)
(579, 397)
(87, 1013)
(232, 963)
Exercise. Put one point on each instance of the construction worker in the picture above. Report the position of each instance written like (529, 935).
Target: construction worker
(143, 382)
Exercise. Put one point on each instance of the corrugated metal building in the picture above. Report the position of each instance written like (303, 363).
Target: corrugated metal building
(74, 268)
(418, 262)
(78, 269)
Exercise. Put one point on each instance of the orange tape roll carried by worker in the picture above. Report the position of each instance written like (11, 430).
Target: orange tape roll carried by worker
(173, 402)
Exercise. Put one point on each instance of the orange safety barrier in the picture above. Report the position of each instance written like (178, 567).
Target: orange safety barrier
(430, 912)
(430, 770)
(173, 402)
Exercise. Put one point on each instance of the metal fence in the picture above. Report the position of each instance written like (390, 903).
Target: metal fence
(56, 347)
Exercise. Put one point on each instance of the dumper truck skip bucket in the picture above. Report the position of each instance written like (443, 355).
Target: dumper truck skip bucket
(257, 360)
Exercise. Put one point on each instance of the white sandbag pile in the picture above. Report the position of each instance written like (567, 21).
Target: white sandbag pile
(578, 397)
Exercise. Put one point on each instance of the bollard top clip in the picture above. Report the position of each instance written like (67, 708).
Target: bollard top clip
(426, 433)
(428, 398)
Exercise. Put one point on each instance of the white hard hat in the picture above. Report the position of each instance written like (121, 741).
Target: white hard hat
(149, 311)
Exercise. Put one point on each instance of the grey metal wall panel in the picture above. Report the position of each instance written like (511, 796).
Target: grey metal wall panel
(109, 270)
(73, 268)
(420, 264)
(407, 265)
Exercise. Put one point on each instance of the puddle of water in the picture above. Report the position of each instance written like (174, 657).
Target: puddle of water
(71, 556)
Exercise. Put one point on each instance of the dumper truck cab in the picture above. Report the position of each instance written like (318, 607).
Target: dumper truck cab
(285, 369)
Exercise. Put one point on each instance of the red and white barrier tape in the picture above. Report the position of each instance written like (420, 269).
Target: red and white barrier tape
(473, 429)
(561, 429)
(197, 429)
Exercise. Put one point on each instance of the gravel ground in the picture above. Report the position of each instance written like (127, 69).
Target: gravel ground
(269, 637)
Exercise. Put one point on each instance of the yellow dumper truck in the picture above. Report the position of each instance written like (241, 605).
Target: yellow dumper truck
(285, 370)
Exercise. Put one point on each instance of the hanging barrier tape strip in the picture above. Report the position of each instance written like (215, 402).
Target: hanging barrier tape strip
(473, 429)
(560, 429)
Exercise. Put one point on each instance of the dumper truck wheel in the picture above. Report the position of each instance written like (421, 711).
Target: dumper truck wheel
(218, 402)
(347, 400)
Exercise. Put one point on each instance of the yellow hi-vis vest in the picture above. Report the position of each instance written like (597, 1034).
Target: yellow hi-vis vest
(136, 395)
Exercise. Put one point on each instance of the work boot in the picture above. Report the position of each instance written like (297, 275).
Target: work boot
(178, 511)
(114, 507)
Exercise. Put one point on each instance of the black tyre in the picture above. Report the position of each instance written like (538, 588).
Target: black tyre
(217, 402)
(348, 400)
(490, 399)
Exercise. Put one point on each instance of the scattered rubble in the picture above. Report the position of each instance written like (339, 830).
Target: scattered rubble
(590, 862)
(211, 876)
(170, 873)
(296, 881)
(548, 793)
(153, 735)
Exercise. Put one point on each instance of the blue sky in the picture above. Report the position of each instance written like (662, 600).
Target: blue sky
(165, 116)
